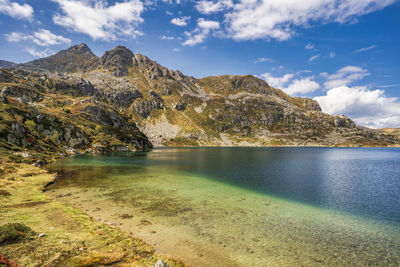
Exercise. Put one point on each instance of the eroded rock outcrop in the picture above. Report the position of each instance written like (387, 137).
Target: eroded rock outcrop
(118, 60)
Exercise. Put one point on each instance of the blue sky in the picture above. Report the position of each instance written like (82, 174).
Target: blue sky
(343, 53)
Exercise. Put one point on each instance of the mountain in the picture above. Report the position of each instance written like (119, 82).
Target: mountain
(77, 58)
(126, 100)
(7, 64)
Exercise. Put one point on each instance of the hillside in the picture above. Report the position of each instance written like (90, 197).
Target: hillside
(391, 131)
(74, 101)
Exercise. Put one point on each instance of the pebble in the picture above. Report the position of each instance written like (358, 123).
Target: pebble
(51, 228)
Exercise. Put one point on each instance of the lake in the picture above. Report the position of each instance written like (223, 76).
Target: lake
(247, 206)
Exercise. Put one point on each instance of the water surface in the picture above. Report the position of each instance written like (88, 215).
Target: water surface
(248, 206)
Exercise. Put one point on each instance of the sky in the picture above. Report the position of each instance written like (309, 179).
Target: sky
(343, 53)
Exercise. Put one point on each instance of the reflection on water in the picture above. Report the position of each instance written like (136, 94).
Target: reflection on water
(244, 206)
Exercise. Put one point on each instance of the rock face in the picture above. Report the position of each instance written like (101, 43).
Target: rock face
(47, 115)
(118, 60)
(112, 103)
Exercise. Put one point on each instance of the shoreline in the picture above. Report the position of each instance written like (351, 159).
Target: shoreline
(66, 234)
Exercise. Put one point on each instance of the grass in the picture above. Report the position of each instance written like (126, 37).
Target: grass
(71, 238)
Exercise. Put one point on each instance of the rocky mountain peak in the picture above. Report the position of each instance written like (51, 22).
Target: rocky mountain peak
(249, 83)
(118, 60)
(82, 48)
(76, 58)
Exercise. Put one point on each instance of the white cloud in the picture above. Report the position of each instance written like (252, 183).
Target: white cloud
(181, 21)
(332, 54)
(263, 59)
(15, 37)
(302, 85)
(208, 7)
(344, 76)
(41, 37)
(277, 82)
(200, 33)
(366, 107)
(278, 19)
(176, 50)
(16, 10)
(309, 46)
(364, 49)
(311, 59)
(44, 53)
(99, 20)
(163, 37)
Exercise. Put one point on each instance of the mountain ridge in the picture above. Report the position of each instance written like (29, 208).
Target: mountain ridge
(164, 106)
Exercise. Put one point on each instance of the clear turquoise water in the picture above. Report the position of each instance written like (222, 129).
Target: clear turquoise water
(244, 206)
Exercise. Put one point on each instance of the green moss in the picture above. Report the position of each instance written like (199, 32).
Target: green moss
(14, 232)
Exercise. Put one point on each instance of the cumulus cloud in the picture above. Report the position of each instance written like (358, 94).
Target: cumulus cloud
(16, 10)
(181, 21)
(200, 33)
(99, 20)
(302, 85)
(371, 108)
(311, 59)
(44, 53)
(344, 76)
(364, 49)
(277, 82)
(366, 106)
(208, 7)
(41, 37)
(265, 19)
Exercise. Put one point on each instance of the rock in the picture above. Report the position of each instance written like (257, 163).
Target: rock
(181, 106)
(23, 93)
(118, 60)
(343, 121)
(144, 107)
(40, 163)
(41, 235)
(249, 83)
(161, 263)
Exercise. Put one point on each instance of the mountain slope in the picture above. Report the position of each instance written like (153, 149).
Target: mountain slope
(119, 99)
(7, 64)
(76, 58)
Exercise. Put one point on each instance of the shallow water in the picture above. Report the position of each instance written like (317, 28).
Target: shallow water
(248, 206)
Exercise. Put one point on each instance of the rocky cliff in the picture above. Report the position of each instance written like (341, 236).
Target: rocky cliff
(75, 100)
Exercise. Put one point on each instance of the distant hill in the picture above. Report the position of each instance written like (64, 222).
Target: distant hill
(7, 64)
(75, 100)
